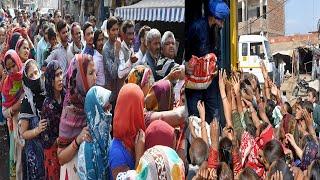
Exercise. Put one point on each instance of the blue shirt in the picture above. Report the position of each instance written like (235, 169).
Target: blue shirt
(119, 156)
(198, 39)
(42, 46)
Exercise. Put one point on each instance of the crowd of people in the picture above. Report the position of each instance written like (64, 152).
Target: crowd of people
(77, 104)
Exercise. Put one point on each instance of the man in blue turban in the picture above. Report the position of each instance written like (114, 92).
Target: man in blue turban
(218, 11)
(199, 43)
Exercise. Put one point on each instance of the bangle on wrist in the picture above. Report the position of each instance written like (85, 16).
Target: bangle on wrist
(75, 141)
(35, 131)
(75, 145)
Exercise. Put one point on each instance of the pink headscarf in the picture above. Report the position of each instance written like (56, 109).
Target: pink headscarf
(73, 117)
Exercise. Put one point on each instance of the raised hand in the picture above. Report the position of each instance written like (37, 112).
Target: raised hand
(140, 142)
(214, 133)
(236, 84)
(222, 79)
(201, 109)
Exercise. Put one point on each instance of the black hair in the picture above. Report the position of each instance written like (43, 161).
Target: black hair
(96, 37)
(280, 165)
(67, 16)
(225, 146)
(56, 12)
(86, 26)
(224, 172)
(92, 18)
(288, 107)
(51, 33)
(251, 129)
(270, 105)
(126, 25)
(313, 92)
(273, 151)
(308, 106)
(60, 25)
(143, 31)
(111, 21)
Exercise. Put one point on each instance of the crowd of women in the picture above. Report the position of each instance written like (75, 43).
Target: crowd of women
(65, 118)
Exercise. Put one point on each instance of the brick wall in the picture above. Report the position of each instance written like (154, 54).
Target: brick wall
(276, 18)
(274, 25)
(312, 38)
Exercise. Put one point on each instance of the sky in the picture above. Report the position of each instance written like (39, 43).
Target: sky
(301, 16)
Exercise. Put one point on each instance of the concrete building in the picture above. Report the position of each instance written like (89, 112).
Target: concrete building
(101, 9)
(261, 16)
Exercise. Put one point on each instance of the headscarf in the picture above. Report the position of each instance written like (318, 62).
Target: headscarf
(218, 9)
(160, 97)
(13, 36)
(158, 162)
(19, 44)
(93, 156)
(34, 93)
(13, 40)
(142, 76)
(12, 85)
(50, 75)
(128, 114)
(73, 117)
(159, 133)
(310, 153)
(51, 109)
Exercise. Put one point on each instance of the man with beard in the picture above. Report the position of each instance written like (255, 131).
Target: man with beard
(153, 51)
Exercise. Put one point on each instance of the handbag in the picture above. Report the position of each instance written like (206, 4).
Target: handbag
(204, 70)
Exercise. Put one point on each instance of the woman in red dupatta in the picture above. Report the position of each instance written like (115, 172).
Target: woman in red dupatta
(12, 93)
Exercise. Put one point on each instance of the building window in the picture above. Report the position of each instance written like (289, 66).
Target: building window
(258, 12)
(256, 49)
(265, 12)
(240, 15)
(244, 49)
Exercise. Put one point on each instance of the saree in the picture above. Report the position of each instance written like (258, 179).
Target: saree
(160, 97)
(51, 111)
(32, 155)
(158, 162)
(93, 156)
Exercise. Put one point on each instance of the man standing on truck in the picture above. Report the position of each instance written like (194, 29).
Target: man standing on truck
(199, 43)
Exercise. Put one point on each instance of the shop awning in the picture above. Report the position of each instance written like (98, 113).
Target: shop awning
(153, 10)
